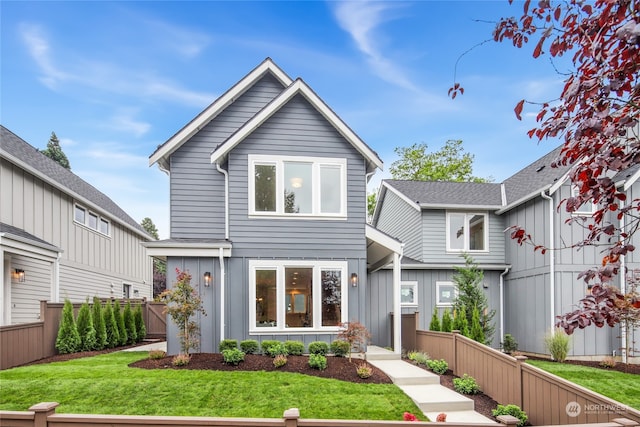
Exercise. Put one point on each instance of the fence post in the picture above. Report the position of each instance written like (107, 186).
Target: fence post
(42, 412)
(454, 361)
(290, 416)
(519, 390)
(508, 420)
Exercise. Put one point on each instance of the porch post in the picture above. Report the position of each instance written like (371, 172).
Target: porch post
(397, 314)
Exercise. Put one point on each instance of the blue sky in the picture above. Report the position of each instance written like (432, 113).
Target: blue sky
(116, 79)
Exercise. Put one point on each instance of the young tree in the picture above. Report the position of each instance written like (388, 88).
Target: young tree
(450, 163)
(150, 227)
(435, 321)
(471, 296)
(356, 334)
(460, 322)
(68, 339)
(182, 304)
(99, 325)
(129, 324)
(54, 152)
(86, 331)
(119, 318)
(371, 204)
(111, 326)
(476, 333)
(446, 321)
(596, 116)
(141, 329)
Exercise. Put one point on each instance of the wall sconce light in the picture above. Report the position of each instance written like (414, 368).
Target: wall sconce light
(207, 279)
(18, 275)
(354, 279)
(589, 287)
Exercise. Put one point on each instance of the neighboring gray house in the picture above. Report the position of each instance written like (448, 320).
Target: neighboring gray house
(268, 215)
(437, 221)
(60, 237)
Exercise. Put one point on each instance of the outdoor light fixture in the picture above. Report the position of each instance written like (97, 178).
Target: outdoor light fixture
(207, 279)
(354, 279)
(589, 287)
(18, 274)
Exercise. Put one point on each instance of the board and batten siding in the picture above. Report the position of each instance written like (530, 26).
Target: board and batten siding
(434, 246)
(35, 206)
(26, 296)
(297, 129)
(196, 186)
(401, 221)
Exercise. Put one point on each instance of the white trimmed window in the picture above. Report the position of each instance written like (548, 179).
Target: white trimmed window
(587, 208)
(297, 186)
(297, 295)
(467, 232)
(86, 218)
(446, 293)
(409, 293)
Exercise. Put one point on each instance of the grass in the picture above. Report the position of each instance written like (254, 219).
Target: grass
(106, 385)
(625, 388)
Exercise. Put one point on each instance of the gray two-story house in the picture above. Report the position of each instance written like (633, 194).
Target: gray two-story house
(438, 221)
(268, 214)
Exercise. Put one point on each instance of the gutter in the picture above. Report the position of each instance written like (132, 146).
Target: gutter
(552, 263)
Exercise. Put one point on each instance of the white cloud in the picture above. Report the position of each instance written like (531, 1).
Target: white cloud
(38, 47)
(184, 42)
(361, 19)
(124, 121)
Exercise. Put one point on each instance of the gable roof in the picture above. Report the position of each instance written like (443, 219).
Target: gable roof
(21, 153)
(162, 153)
(450, 194)
(298, 87)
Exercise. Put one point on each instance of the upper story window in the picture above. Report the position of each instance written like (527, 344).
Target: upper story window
(467, 232)
(91, 220)
(297, 186)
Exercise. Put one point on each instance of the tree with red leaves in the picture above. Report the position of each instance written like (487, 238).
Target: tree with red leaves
(596, 116)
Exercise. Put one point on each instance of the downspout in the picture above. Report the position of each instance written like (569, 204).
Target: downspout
(504, 273)
(226, 200)
(221, 253)
(56, 279)
(552, 265)
(397, 308)
(222, 273)
(623, 290)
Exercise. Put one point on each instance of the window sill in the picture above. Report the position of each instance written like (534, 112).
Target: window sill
(295, 331)
(298, 217)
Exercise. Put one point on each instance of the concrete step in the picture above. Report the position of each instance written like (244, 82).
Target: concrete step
(471, 417)
(403, 373)
(437, 398)
(378, 353)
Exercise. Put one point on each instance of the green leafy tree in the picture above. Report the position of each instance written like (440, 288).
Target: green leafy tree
(54, 152)
(98, 324)
(446, 321)
(141, 329)
(129, 324)
(371, 204)
(450, 163)
(87, 332)
(460, 322)
(476, 333)
(182, 304)
(435, 321)
(68, 339)
(122, 329)
(159, 266)
(111, 326)
(470, 294)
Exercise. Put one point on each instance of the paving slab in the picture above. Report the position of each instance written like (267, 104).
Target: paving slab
(437, 398)
(403, 373)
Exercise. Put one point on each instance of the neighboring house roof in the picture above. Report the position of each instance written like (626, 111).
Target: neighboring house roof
(449, 194)
(21, 153)
(19, 234)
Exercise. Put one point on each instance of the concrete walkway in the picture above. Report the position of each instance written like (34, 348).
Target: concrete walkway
(158, 345)
(423, 387)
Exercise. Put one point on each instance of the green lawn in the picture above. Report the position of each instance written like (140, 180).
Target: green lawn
(106, 385)
(625, 388)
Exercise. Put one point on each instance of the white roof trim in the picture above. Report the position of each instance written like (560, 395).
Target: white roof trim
(218, 106)
(632, 180)
(559, 183)
(403, 196)
(381, 238)
(10, 242)
(184, 249)
(521, 200)
(297, 87)
(452, 206)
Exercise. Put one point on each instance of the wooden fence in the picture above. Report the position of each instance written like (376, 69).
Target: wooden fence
(44, 415)
(28, 342)
(546, 398)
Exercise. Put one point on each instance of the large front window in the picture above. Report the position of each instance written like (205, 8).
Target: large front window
(466, 232)
(297, 295)
(297, 186)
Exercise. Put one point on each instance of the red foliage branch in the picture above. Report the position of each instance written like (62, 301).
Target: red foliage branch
(596, 115)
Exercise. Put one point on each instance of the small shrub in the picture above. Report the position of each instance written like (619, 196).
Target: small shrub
(264, 346)
(418, 357)
(294, 348)
(447, 321)
(319, 347)
(476, 332)
(364, 371)
(509, 345)
(232, 356)
(438, 366)
(228, 345)
(156, 354)
(68, 339)
(277, 349)
(87, 332)
(557, 344)
(608, 362)
(408, 416)
(340, 348)
(249, 346)
(97, 314)
(280, 360)
(435, 321)
(130, 324)
(181, 360)
(318, 361)
(122, 331)
(441, 417)
(466, 385)
(513, 410)
(141, 329)
(111, 327)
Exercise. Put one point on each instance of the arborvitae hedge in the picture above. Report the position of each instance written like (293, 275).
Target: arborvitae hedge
(98, 324)
(111, 326)
(68, 339)
(446, 321)
(129, 324)
(435, 321)
(122, 330)
(460, 321)
(476, 333)
(141, 329)
(84, 323)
